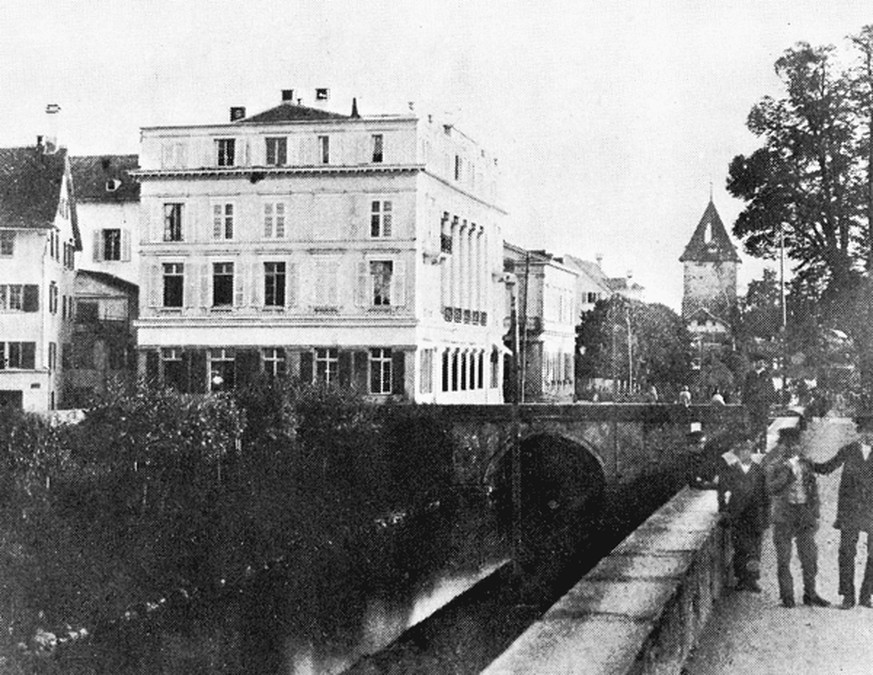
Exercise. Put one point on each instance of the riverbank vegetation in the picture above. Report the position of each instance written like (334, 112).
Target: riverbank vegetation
(155, 491)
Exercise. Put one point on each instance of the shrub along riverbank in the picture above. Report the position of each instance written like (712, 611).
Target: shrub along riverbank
(156, 490)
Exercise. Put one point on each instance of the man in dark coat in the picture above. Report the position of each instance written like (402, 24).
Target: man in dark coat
(758, 395)
(743, 500)
(702, 461)
(854, 509)
(795, 512)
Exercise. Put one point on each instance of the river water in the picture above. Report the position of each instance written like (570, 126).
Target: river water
(317, 616)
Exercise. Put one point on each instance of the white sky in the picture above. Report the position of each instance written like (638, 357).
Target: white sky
(610, 118)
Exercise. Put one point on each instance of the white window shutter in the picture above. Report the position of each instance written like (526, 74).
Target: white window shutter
(398, 284)
(192, 285)
(98, 245)
(332, 284)
(217, 221)
(257, 282)
(362, 283)
(240, 272)
(292, 283)
(154, 295)
(125, 245)
(205, 286)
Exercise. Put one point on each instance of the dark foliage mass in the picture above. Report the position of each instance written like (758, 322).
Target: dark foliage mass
(655, 336)
(156, 490)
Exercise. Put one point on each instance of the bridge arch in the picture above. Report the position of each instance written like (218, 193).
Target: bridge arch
(562, 479)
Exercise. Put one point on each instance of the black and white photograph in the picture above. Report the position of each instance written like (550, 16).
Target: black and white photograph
(436, 338)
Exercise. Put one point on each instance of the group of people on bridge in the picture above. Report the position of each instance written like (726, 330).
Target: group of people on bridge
(755, 489)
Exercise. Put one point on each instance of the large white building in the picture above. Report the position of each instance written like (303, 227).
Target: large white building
(38, 242)
(361, 250)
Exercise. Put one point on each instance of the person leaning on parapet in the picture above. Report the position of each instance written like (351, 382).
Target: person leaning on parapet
(684, 397)
(758, 395)
(717, 398)
(742, 499)
(793, 490)
(702, 465)
(854, 509)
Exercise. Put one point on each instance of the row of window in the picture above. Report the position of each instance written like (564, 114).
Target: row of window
(463, 370)
(230, 152)
(222, 369)
(379, 283)
(273, 223)
(276, 151)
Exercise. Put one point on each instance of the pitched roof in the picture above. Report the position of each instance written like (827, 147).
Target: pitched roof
(703, 312)
(30, 187)
(590, 269)
(92, 176)
(623, 284)
(291, 112)
(108, 279)
(716, 247)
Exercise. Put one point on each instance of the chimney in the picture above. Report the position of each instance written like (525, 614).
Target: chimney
(599, 258)
(322, 97)
(355, 114)
(237, 113)
(52, 112)
(288, 96)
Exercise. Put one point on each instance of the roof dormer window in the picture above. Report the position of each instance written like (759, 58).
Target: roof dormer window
(112, 185)
(707, 233)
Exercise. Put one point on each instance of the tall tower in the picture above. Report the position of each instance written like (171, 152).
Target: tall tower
(710, 261)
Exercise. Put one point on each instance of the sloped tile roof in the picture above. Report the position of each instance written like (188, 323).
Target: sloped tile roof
(291, 112)
(718, 248)
(590, 269)
(92, 174)
(30, 187)
(108, 279)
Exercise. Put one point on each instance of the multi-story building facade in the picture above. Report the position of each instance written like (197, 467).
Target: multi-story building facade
(541, 317)
(107, 208)
(591, 282)
(343, 249)
(38, 243)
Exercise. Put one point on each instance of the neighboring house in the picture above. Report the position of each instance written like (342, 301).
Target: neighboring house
(591, 283)
(626, 288)
(107, 204)
(542, 303)
(363, 251)
(38, 241)
(103, 347)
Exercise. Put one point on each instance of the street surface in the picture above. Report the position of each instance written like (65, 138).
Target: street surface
(752, 633)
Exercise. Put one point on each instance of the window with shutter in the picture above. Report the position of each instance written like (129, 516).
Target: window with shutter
(98, 246)
(222, 284)
(274, 284)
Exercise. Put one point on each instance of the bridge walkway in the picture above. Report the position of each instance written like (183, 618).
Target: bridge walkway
(753, 633)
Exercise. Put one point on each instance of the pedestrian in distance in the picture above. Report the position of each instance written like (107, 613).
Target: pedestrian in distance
(854, 509)
(793, 491)
(685, 397)
(717, 398)
(701, 468)
(758, 395)
(742, 498)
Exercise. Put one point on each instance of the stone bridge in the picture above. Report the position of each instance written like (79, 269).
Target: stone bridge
(570, 454)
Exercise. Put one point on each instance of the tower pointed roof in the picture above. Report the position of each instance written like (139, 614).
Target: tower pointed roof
(710, 241)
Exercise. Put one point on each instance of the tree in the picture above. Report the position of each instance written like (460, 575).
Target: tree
(632, 341)
(803, 182)
(861, 100)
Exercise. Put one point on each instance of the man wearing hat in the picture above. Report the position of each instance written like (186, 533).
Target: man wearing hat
(793, 490)
(743, 501)
(702, 464)
(758, 395)
(854, 509)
